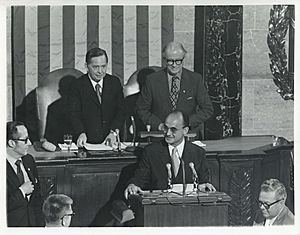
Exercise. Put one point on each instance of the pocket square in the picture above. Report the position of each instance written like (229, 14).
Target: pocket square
(189, 98)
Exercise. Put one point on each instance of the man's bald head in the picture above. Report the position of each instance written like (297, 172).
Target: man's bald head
(174, 49)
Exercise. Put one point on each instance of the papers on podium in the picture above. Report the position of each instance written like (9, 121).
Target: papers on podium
(94, 147)
(64, 147)
(103, 147)
(199, 143)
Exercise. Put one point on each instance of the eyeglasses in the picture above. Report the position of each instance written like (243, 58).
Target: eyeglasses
(24, 140)
(267, 205)
(177, 62)
(71, 214)
(172, 129)
(62, 218)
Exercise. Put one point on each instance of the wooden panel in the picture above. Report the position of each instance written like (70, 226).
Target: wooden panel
(188, 215)
(92, 195)
(51, 180)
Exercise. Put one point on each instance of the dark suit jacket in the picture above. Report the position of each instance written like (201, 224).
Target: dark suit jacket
(154, 103)
(285, 217)
(20, 211)
(152, 172)
(86, 113)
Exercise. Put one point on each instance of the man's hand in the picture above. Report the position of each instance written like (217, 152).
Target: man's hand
(111, 139)
(132, 189)
(81, 141)
(27, 187)
(206, 187)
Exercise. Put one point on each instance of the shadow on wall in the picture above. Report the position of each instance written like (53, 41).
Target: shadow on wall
(44, 111)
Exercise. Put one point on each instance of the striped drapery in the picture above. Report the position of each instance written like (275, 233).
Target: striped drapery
(45, 38)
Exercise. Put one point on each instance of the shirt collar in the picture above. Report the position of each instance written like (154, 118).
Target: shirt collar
(12, 160)
(179, 147)
(95, 83)
(177, 75)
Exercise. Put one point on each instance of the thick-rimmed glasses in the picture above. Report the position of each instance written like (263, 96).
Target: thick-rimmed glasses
(24, 140)
(177, 62)
(172, 129)
(62, 218)
(268, 205)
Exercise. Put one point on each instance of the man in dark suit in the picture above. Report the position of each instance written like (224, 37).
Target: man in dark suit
(96, 101)
(174, 88)
(175, 151)
(24, 202)
(273, 210)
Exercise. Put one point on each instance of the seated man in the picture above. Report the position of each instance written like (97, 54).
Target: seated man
(57, 209)
(273, 210)
(168, 159)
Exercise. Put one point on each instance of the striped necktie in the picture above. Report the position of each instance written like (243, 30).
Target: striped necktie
(98, 91)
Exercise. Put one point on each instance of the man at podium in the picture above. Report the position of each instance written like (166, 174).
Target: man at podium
(171, 161)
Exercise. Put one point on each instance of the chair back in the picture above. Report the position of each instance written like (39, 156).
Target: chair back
(49, 91)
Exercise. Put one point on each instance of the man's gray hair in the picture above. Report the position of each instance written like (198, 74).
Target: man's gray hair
(274, 185)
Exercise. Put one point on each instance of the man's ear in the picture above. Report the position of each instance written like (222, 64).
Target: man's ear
(186, 130)
(11, 143)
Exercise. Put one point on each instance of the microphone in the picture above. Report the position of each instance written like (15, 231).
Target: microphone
(183, 177)
(168, 165)
(195, 176)
(118, 139)
(132, 148)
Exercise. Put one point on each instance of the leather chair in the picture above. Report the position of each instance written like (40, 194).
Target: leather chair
(131, 92)
(49, 91)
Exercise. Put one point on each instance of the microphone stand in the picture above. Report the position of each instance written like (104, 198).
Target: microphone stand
(183, 178)
(132, 148)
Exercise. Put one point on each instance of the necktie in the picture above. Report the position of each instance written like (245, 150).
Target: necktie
(98, 91)
(174, 92)
(19, 171)
(175, 161)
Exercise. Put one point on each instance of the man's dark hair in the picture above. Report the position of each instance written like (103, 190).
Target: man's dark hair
(11, 130)
(95, 52)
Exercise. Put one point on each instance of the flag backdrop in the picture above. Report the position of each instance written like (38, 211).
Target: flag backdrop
(45, 38)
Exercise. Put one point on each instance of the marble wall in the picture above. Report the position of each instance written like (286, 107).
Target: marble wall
(263, 109)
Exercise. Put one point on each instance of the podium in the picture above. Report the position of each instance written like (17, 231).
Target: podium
(162, 208)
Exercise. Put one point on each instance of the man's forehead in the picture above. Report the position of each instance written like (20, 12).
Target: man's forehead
(267, 196)
(174, 120)
(177, 53)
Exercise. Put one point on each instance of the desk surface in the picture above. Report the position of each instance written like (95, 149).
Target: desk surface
(230, 144)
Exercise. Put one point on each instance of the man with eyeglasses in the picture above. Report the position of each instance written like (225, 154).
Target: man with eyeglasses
(174, 87)
(271, 202)
(24, 202)
(152, 172)
(57, 209)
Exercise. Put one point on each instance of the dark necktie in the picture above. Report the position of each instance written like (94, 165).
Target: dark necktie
(98, 91)
(174, 92)
(20, 172)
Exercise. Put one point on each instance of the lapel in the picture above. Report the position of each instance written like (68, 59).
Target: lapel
(184, 87)
(280, 217)
(28, 169)
(106, 90)
(164, 155)
(89, 91)
(11, 175)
